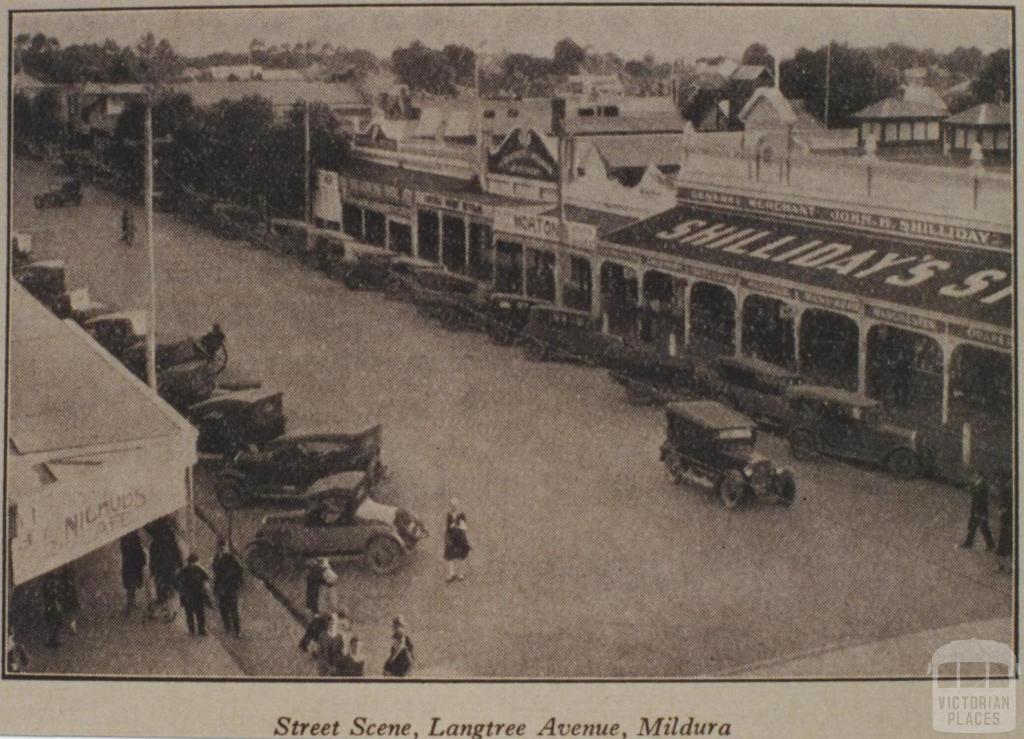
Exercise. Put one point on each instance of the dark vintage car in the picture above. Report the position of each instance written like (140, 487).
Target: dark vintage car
(651, 377)
(283, 471)
(757, 388)
(713, 445)
(68, 192)
(118, 331)
(838, 423)
(457, 301)
(355, 264)
(45, 280)
(507, 315)
(405, 273)
(210, 348)
(231, 421)
(568, 335)
(342, 521)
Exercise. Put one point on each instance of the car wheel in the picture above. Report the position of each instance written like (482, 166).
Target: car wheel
(731, 489)
(674, 468)
(383, 555)
(801, 443)
(786, 488)
(904, 464)
(230, 495)
(263, 558)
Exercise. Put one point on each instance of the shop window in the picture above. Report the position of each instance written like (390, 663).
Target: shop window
(481, 248)
(576, 292)
(453, 243)
(508, 267)
(428, 234)
(400, 238)
(376, 228)
(540, 274)
(352, 221)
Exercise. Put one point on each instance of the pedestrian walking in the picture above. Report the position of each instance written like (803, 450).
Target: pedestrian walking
(228, 577)
(456, 542)
(1004, 547)
(17, 657)
(164, 561)
(192, 580)
(352, 663)
(335, 643)
(400, 659)
(977, 487)
(52, 596)
(319, 577)
(69, 597)
(133, 567)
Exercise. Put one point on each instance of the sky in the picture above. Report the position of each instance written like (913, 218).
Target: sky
(668, 32)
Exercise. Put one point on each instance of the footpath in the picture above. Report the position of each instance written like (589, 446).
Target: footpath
(109, 642)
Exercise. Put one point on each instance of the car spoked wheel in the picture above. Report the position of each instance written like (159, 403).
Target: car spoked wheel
(263, 558)
(801, 443)
(383, 555)
(903, 464)
(731, 489)
(786, 488)
(230, 496)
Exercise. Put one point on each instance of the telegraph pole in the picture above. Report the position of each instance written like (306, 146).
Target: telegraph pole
(305, 152)
(828, 77)
(150, 247)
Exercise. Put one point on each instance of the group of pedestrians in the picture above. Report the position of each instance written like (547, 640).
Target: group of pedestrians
(978, 488)
(189, 579)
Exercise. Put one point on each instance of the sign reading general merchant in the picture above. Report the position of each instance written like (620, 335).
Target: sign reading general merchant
(964, 283)
(854, 219)
(544, 228)
(523, 153)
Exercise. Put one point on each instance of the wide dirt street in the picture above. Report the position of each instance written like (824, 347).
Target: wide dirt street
(586, 560)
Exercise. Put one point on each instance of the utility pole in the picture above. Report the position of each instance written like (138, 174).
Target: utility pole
(828, 77)
(150, 247)
(305, 151)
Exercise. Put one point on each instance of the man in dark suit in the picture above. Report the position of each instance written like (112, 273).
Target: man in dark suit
(977, 486)
(192, 579)
(228, 576)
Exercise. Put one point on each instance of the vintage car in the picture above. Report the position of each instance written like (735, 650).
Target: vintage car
(341, 521)
(457, 301)
(757, 388)
(79, 306)
(713, 445)
(171, 351)
(355, 264)
(283, 471)
(838, 423)
(568, 335)
(45, 280)
(507, 315)
(651, 377)
(231, 421)
(68, 192)
(118, 331)
(404, 273)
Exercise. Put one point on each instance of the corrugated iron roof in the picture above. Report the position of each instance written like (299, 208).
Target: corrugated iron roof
(986, 114)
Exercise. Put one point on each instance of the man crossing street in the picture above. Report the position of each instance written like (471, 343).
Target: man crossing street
(977, 486)
(228, 577)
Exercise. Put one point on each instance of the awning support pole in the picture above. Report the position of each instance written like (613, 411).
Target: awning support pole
(190, 511)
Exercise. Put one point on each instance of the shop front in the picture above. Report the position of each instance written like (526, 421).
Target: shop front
(899, 318)
(456, 231)
(93, 453)
(378, 213)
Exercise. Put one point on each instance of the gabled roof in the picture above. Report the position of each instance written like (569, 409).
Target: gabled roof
(899, 108)
(660, 149)
(986, 114)
(790, 111)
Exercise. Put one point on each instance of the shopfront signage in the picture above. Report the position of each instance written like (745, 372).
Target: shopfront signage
(699, 272)
(378, 191)
(902, 318)
(444, 202)
(767, 288)
(523, 153)
(544, 228)
(832, 302)
(863, 220)
(989, 336)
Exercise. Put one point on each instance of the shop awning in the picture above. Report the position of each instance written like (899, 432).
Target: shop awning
(963, 282)
(93, 453)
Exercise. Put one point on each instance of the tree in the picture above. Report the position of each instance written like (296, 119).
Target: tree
(966, 61)
(757, 53)
(855, 83)
(423, 68)
(993, 83)
(461, 60)
(568, 56)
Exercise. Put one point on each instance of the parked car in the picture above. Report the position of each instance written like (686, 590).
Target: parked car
(283, 471)
(457, 301)
(405, 273)
(68, 192)
(713, 445)
(343, 521)
(230, 421)
(651, 377)
(757, 388)
(507, 315)
(170, 351)
(185, 384)
(45, 280)
(568, 335)
(838, 423)
(79, 306)
(357, 265)
(118, 331)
